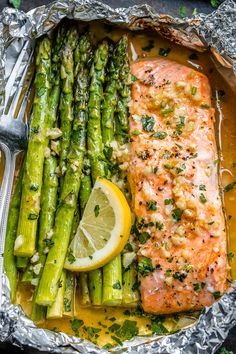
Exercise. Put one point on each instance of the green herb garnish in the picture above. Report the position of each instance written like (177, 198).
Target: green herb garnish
(96, 210)
(143, 237)
(164, 52)
(152, 205)
(148, 123)
(177, 214)
(202, 198)
(160, 135)
(145, 266)
(229, 187)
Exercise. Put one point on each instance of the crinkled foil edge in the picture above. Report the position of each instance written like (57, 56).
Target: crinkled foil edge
(215, 32)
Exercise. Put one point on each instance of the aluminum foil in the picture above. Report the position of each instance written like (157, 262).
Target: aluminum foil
(215, 31)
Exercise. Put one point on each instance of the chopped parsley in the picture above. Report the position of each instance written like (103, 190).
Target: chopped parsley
(159, 225)
(134, 78)
(155, 169)
(194, 90)
(152, 205)
(34, 187)
(168, 166)
(34, 130)
(114, 327)
(143, 237)
(160, 135)
(92, 331)
(180, 276)
(148, 123)
(71, 258)
(136, 132)
(128, 247)
(135, 286)
(169, 201)
(157, 326)
(181, 168)
(67, 304)
(96, 210)
(166, 111)
(229, 187)
(204, 106)
(32, 216)
(149, 46)
(164, 52)
(168, 272)
(108, 150)
(216, 294)
(196, 287)
(48, 242)
(230, 256)
(117, 340)
(145, 266)
(128, 330)
(179, 126)
(76, 324)
(107, 346)
(117, 285)
(202, 198)
(202, 187)
(177, 214)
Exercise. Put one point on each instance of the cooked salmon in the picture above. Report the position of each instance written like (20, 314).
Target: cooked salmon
(173, 174)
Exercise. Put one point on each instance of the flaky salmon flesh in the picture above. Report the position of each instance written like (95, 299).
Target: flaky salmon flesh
(173, 174)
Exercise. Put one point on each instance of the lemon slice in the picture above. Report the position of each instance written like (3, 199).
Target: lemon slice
(103, 230)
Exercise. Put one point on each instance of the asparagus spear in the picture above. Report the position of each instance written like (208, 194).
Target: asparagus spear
(112, 272)
(66, 114)
(48, 285)
(84, 193)
(95, 286)
(130, 286)
(9, 258)
(110, 100)
(32, 179)
(85, 187)
(50, 180)
(122, 123)
(68, 298)
(84, 289)
(95, 145)
(80, 103)
(130, 294)
(112, 282)
(21, 262)
(56, 309)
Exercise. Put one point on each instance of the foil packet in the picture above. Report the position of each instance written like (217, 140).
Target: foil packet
(215, 31)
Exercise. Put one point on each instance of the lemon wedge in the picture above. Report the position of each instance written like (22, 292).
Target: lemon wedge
(103, 230)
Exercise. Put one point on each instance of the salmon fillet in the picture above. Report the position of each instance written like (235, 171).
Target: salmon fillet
(173, 176)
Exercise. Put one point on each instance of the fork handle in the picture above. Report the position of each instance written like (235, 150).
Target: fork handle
(5, 196)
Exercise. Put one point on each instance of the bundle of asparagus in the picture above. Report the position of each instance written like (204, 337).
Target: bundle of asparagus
(80, 110)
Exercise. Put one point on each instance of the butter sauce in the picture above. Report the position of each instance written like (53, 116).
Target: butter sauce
(147, 44)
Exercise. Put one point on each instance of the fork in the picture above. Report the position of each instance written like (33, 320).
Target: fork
(13, 135)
